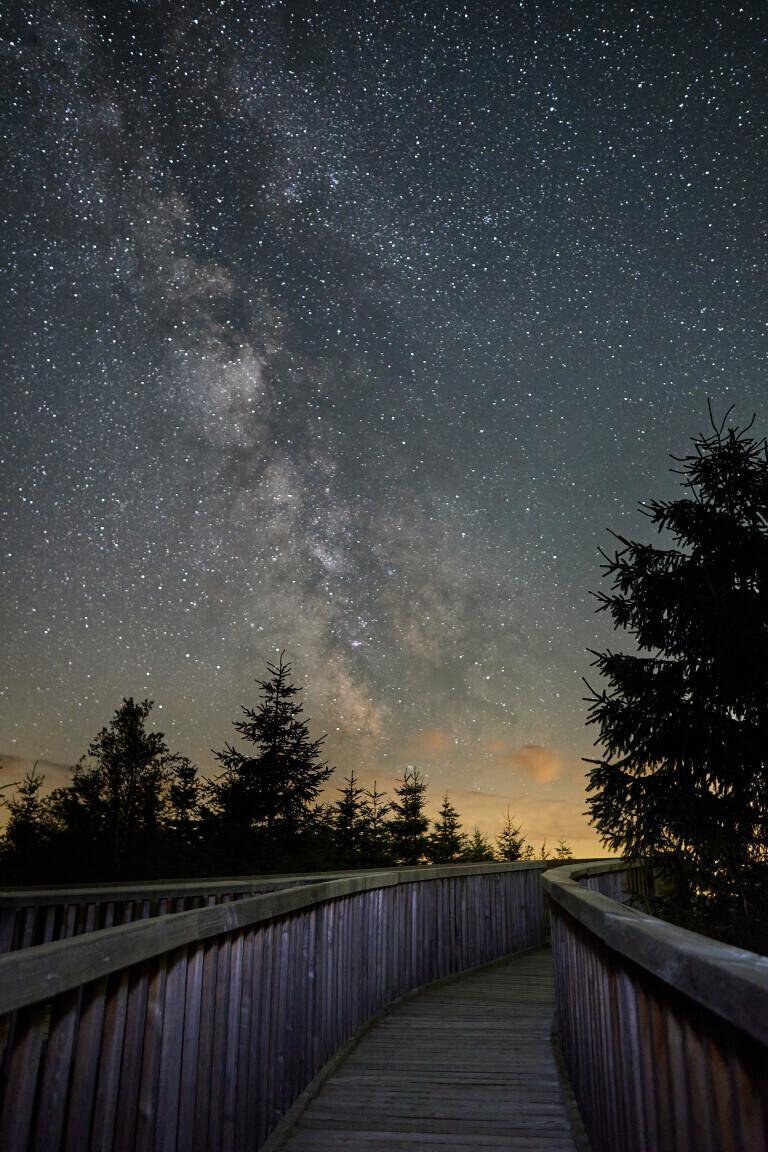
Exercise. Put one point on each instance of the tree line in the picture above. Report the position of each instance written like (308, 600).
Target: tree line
(134, 810)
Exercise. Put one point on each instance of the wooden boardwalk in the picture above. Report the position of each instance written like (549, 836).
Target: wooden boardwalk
(466, 1065)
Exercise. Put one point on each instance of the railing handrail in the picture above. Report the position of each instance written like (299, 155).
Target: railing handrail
(729, 981)
(18, 896)
(12, 896)
(34, 974)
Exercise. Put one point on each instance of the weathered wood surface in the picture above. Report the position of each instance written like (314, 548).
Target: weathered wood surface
(664, 1032)
(33, 916)
(200, 1029)
(466, 1065)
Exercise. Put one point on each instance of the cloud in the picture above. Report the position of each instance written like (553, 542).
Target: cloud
(541, 764)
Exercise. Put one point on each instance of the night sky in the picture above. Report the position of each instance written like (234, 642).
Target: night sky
(350, 329)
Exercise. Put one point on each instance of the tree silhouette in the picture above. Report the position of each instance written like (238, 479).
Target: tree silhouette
(447, 842)
(510, 841)
(684, 719)
(275, 786)
(479, 848)
(563, 850)
(349, 814)
(25, 842)
(408, 824)
(374, 832)
(111, 811)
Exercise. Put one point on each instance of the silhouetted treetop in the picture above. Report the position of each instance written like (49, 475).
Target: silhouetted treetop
(683, 720)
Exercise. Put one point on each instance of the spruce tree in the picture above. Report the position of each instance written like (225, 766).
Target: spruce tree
(376, 848)
(447, 842)
(563, 850)
(25, 840)
(683, 722)
(479, 848)
(510, 841)
(409, 824)
(274, 787)
(348, 819)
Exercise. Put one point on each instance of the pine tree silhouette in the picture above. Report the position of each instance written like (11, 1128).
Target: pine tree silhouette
(278, 782)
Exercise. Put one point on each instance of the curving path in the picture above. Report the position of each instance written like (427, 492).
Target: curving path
(465, 1065)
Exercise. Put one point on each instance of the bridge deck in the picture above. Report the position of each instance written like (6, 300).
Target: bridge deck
(466, 1065)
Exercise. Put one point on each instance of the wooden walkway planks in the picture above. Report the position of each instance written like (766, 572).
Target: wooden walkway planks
(467, 1065)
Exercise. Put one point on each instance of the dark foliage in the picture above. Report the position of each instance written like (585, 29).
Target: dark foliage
(348, 822)
(360, 832)
(113, 807)
(478, 849)
(376, 849)
(409, 824)
(263, 800)
(134, 810)
(26, 845)
(447, 843)
(510, 841)
(684, 719)
(130, 810)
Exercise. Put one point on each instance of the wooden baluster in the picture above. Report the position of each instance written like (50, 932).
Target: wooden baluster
(130, 1067)
(255, 1094)
(267, 1027)
(703, 1123)
(18, 1091)
(193, 994)
(205, 1045)
(220, 1009)
(49, 924)
(28, 927)
(242, 1135)
(51, 1109)
(110, 1063)
(230, 1101)
(8, 920)
(171, 1046)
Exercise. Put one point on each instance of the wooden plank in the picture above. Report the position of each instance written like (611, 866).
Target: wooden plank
(130, 1067)
(169, 1072)
(466, 1065)
(254, 1093)
(220, 1008)
(205, 1045)
(242, 1137)
(231, 1102)
(190, 1043)
(108, 1085)
(18, 1091)
(49, 1121)
(85, 1065)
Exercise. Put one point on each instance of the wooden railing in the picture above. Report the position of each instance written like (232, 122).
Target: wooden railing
(30, 916)
(664, 1032)
(198, 1030)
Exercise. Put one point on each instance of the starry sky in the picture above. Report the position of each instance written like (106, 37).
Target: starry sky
(350, 329)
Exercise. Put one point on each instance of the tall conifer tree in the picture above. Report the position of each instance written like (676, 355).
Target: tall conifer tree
(447, 841)
(409, 824)
(274, 786)
(684, 720)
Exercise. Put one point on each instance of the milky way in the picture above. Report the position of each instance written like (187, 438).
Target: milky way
(349, 330)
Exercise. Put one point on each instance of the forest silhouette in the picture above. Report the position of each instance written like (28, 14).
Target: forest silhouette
(135, 810)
